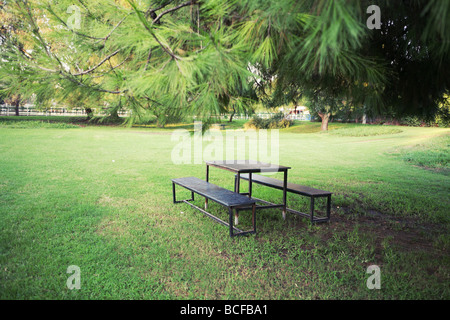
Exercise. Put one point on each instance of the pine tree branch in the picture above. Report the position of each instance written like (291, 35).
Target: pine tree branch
(185, 4)
(81, 84)
(117, 25)
(149, 28)
(98, 65)
(112, 68)
(49, 8)
(35, 28)
(167, 50)
(46, 69)
(148, 58)
(73, 31)
(150, 12)
(36, 32)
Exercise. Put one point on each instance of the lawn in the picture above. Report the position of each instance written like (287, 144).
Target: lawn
(99, 197)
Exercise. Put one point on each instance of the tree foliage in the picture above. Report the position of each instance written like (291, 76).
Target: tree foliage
(171, 57)
(415, 41)
(175, 58)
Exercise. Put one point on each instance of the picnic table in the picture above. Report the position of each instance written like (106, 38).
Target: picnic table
(237, 201)
(249, 167)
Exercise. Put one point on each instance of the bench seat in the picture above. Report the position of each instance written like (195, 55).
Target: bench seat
(312, 193)
(291, 187)
(213, 192)
(225, 197)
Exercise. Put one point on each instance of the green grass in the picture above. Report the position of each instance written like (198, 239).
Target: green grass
(100, 198)
(314, 127)
(433, 153)
(35, 124)
(50, 119)
(367, 130)
(343, 129)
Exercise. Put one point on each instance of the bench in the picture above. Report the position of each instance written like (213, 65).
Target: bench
(297, 189)
(219, 126)
(224, 197)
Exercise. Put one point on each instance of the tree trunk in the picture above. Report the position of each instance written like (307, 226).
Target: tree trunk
(15, 101)
(114, 114)
(232, 115)
(89, 113)
(325, 118)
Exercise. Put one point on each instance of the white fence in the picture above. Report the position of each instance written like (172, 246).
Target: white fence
(300, 117)
(27, 110)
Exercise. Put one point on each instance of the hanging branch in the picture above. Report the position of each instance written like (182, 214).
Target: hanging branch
(36, 32)
(151, 12)
(105, 38)
(120, 22)
(81, 84)
(98, 65)
(185, 4)
(149, 28)
(148, 58)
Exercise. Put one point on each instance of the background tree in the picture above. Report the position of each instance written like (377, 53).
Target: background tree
(311, 49)
(415, 42)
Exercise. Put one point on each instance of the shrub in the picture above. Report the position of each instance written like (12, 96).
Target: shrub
(412, 121)
(443, 118)
(277, 121)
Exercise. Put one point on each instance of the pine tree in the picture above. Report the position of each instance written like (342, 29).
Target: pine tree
(178, 59)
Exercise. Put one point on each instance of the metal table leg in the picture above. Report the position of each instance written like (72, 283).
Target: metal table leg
(207, 180)
(250, 185)
(236, 189)
(284, 194)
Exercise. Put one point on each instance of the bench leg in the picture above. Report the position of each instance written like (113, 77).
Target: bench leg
(254, 217)
(173, 193)
(328, 210)
(175, 197)
(230, 222)
(329, 207)
(312, 209)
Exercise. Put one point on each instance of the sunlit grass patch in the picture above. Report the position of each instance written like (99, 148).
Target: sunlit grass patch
(366, 130)
(434, 153)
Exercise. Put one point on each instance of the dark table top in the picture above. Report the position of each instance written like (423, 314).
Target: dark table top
(246, 166)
